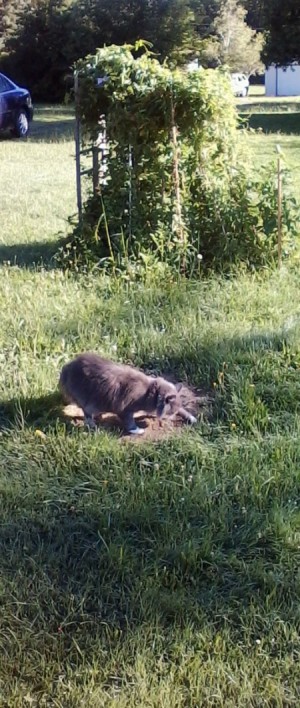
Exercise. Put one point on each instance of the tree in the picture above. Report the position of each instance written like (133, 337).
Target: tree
(256, 16)
(205, 12)
(52, 34)
(282, 31)
(234, 43)
(168, 24)
(9, 14)
(37, 53)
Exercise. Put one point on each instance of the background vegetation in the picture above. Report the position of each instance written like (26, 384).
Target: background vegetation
(40, 40)
(145, 575)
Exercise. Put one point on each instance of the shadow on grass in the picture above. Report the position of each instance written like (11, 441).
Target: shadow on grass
(286, 123)
(92, 574)
(52, 124)
(218, 355)
(242, 373)
(31, 255)
(283, 107)
(42, 413)
(233, 379)
(34, 411)
(56, 130)
(97, 544)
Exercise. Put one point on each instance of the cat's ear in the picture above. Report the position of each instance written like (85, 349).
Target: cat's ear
(178, 387)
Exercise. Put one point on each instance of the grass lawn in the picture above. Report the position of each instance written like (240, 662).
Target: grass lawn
(272, 122)
(37, 187)
(161, 575)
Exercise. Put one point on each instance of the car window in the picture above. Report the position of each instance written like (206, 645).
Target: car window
(5, 85)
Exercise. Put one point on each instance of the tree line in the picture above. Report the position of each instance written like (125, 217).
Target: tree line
(41, 39)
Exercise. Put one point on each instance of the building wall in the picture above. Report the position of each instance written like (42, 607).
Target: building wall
(281, 81)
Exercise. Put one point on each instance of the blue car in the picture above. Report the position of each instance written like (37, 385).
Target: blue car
(16, 111)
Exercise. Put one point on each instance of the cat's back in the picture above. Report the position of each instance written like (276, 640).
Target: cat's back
(88, 366)
(93, 380)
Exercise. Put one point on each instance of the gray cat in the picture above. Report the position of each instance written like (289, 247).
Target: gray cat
(98, 386)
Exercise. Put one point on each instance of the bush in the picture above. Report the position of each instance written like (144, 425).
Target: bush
(185, 196)
(236, 220)
(228, 224)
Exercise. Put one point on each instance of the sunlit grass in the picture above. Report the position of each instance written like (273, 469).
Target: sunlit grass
(271, 123)
(158, 575)
(38, 181)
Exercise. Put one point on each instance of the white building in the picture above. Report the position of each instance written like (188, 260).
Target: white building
(283, 80)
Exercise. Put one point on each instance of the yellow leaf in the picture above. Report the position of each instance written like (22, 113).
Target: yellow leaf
(40, 434)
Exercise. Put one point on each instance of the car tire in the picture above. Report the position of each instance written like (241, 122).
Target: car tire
(21, 126)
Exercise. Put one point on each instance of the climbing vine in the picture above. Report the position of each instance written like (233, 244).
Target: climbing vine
(174, 186)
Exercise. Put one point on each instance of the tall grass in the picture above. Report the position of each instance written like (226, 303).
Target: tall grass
(161, 574)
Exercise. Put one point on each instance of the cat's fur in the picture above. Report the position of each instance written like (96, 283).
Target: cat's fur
(98, 386)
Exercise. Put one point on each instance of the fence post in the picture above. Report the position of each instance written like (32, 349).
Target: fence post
(279, 208)
(130, 166)
(180, 226)
(95, 154)
(77, 144)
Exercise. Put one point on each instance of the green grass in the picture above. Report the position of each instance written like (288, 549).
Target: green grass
(271, 122)
(159, 574)
(37, 180)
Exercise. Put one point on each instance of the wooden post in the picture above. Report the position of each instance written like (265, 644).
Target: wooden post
(279, 210)
(95, 154)
(77, 144)
(102, 146)
(178, 210)
(130, 165)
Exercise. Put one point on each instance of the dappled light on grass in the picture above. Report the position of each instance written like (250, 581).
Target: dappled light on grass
(152, 572)
(37, 188)
(158, 574)
(115, 552)
(52, 125)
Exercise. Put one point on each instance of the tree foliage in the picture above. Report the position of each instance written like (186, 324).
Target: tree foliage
(56, 33)
(10, 11)
(256, 16)
(37, 52)
(234, 43)
(280, 21)
(282, 31)
(205, 11)
(41, 39)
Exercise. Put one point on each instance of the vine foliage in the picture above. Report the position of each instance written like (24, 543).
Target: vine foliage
(174, 188)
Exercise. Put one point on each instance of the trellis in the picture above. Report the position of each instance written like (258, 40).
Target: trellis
(97, 150)
(149, 133)
(99, 154)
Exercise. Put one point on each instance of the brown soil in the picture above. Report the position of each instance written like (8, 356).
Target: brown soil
(197, 402)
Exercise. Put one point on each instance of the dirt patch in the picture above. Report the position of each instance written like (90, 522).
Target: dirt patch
(196, 401)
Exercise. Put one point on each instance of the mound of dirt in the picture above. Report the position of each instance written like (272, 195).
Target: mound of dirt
(197, 402)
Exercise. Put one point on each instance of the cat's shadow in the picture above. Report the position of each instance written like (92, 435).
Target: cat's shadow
(44, 412)
(49, 411)
(107, 421)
